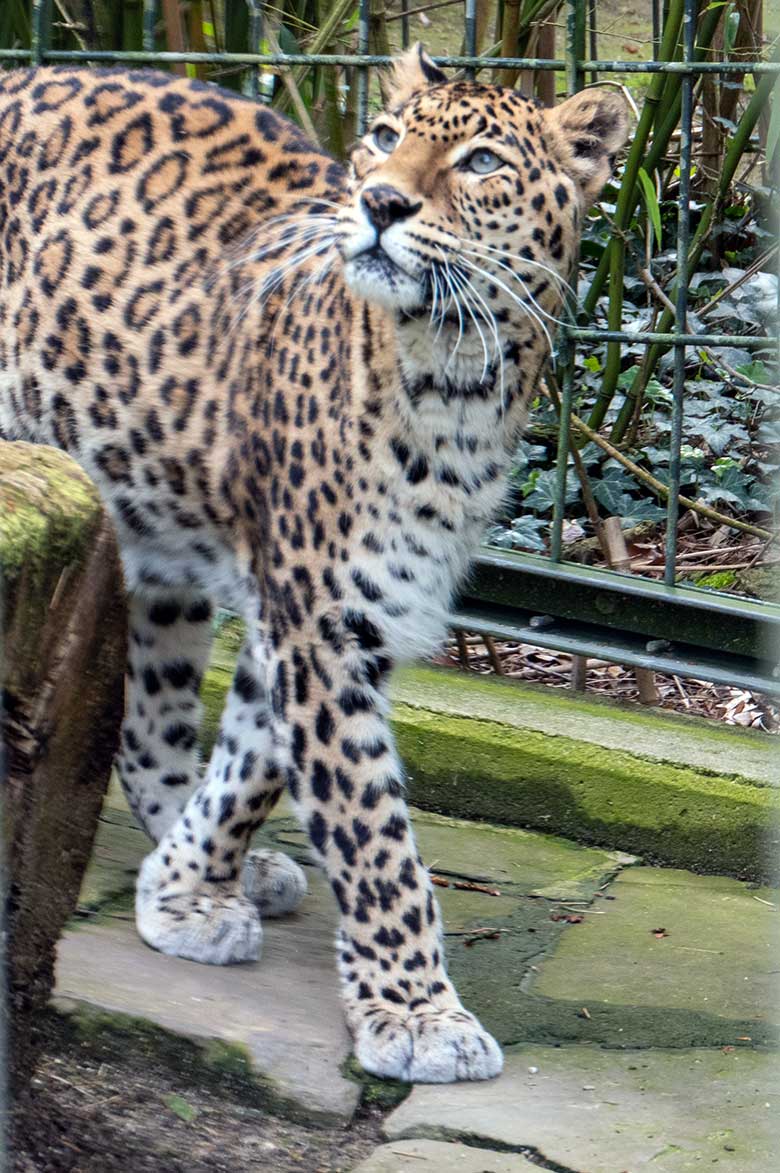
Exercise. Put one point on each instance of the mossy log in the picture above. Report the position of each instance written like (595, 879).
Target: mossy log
(62, 654)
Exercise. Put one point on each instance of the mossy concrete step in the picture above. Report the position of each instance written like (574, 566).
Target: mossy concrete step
(676, 790)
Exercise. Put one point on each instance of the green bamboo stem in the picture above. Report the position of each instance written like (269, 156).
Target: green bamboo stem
(623, 213)
(668, 107)
(320, 42)
(736, 149)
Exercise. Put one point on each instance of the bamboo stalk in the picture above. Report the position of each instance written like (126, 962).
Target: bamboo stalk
(624, 211)
(329, 28)
(664, 95)
(174, 33)
(730, 163)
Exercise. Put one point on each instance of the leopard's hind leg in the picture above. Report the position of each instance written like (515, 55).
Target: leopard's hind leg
(159, 762)
(196, 896)
(170, 636)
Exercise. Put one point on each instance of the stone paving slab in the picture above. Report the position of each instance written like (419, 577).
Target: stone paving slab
(285, 1009)
(719, 955)
(434, 1156)
(588, 1110)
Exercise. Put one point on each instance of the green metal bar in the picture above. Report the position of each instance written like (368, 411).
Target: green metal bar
(364, 15)
(575, 45)
(622, 602)
(99, 56)
(254, 35)
(470, 35)
(566, 356)
(650, 338)
(681, 301)
(758, 674)
(575, 79)
(40, 30)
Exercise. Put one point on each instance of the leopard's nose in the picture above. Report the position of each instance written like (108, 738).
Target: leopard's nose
(385, 205)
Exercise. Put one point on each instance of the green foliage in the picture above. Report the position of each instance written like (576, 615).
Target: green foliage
(180, 1107)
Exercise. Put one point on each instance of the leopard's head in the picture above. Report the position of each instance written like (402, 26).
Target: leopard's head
(472, 193)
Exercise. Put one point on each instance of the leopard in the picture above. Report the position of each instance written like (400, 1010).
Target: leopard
(298, 385)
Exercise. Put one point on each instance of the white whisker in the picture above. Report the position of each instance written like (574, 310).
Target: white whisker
(462, 282)
(491, 278)
(491, 248)
(490, 319)
(517, 276)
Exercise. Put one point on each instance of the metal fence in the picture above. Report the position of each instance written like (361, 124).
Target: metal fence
(547, 601)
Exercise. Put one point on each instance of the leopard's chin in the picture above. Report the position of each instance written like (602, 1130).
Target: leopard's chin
(374, 276)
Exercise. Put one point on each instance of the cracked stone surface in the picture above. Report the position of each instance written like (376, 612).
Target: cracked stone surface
(718, 953)
(285, 1009)
(596, 1111)
(642, 1045)
(434, 1156)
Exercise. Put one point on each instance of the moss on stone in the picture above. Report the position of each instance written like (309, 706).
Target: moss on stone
(223, 1067)
(384, 1094)
(719, 580)
(48, 507)
(672, 814)
(586, 770)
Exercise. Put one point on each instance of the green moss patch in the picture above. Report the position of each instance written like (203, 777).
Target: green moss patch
(671, 814)
(681, 792)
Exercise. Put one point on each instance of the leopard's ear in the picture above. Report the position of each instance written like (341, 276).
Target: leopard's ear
(589, 130)
(410, 73)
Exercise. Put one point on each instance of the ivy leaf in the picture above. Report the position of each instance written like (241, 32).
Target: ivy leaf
(612, 492)
(733, 486)
(523, 534)
(541, 496)
(720, 434)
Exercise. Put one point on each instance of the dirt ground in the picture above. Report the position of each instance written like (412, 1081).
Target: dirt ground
(95, 1109)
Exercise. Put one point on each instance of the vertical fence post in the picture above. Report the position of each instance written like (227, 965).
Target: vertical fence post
(470, 39)
(40, 30)
(575, 53)
(364, 13)
(681, 299)
(404, 24)
(593, 38)
(575, 45)
(150, 21)
(255, 33)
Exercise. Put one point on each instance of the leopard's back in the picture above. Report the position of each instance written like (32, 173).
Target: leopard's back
(123, 197)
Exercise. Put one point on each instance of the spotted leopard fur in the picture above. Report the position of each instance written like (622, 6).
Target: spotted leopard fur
(299, 397)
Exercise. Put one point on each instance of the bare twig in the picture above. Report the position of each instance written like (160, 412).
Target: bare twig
(662, 490)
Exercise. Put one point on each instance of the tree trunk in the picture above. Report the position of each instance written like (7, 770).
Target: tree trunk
(63, 642)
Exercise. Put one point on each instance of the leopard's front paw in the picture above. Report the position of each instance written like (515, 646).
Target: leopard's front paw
(212, 923)
(273, 882)
(426, 1046)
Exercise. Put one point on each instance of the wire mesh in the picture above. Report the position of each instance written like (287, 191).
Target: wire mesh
(581, 58)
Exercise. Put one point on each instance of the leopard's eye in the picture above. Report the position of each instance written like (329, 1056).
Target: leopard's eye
(386, 138)
(482, 162)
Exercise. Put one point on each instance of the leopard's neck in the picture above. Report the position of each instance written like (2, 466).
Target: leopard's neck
(424, 399)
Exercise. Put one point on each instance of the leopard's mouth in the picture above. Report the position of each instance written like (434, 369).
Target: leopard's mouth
(373, 274)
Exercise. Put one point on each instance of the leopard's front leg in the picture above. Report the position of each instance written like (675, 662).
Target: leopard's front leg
(404, 1014)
